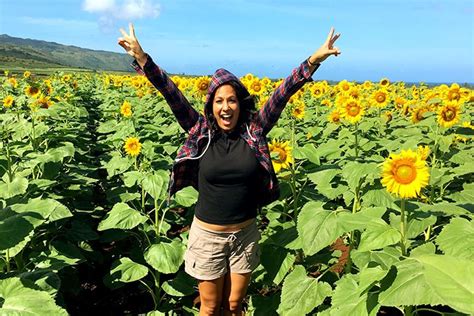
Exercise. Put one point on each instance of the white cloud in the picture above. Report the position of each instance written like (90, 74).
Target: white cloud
(122, 9)
(98, 5)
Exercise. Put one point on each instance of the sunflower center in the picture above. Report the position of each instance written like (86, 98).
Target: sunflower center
(449, 115)
(353, 109)
(405, 174)
(380, 98)
(281, 154)
(256, 87)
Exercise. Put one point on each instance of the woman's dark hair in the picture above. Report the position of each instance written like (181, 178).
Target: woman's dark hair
(246, 105)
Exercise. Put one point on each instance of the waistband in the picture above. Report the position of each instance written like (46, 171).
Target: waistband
(245, 229)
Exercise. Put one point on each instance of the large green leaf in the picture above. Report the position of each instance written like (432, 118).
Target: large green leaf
(125, 270)
(181, 285)
(352, 296)
(16, 187)
(277, 262)
(464, 196)
(385, 258)
(301, 294)
(457, 238)
(355, 172)
(20, 300)
(166, 257)
(443, 207)
(14, 227)
(317, 227)
(156, 184)
(378, 236)
(187, 196)
(117, 165)
(452, 279)
(121, 216)
(431, 280)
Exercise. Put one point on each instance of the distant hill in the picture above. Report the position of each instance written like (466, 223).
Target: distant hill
(20, 53)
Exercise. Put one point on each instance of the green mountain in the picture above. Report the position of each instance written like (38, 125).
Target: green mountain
(19, 53)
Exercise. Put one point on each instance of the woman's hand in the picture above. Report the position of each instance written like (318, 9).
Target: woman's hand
(327, 49)
(130, 43)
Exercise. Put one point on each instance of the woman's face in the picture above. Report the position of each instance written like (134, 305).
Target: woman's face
(225, 107)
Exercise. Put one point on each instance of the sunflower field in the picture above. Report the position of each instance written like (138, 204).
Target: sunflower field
(375, 214)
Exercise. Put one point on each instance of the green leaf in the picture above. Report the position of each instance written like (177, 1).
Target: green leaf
(379, 197)
(452, 279)
(444, 207)
(385, 258)
(457, 238)
(131, 178)
(156, 184)
(125, 270)
(20, 300)
(181, 285)
(16, 187)
(187, 196)
(352, 296)
(317, 227)
(277, 261)
(308, 151)
(406, 285)
(466, 195)
(165, 257)
(427, 248)
(121, 216)
(301, 294)
(355, 172)
(378, 236)
(117, 165)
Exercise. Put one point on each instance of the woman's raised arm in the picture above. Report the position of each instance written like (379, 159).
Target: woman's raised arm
(186, 115)
(271, 111)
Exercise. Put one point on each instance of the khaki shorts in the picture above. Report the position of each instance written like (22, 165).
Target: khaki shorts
(211, 254)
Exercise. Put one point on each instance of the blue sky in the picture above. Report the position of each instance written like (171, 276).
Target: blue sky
(422, 40)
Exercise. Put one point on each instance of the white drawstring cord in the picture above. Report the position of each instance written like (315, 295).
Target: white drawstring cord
(250, 135)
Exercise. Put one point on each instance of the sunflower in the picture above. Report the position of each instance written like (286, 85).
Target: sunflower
(449, 114)
(417, 114)
(367, 85)
(12, 81)
(405, 174)
(318, 90)
(201, 85)
(26, 74)
(380, 98)
(399, 102)
(44, 102)
(352, 111)
(335, 116)
(344, 85)
(298, 110)
(281, 154)
(132, 146)
(423, 152)
(384, 82)
(454, 93)
(8, 101)
(388, 116)
(32, 91)
(126, 109)
(255, 87)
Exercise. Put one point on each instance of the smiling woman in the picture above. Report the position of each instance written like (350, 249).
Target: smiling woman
(226, 158)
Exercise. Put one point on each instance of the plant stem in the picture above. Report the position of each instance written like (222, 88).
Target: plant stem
(151, 292)
(7, 260)
(403, 228)
(9, 160)
(408, 310)
(356, 141)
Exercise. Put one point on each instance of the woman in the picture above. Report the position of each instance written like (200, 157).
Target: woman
(226, 158)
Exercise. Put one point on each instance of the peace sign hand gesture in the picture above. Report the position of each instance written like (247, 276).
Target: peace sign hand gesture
(130, 43)
(327, 49)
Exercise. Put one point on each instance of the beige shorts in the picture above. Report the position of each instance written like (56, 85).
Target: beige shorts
(211, 254)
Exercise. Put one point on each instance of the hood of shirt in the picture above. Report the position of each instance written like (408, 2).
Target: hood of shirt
(220, 77)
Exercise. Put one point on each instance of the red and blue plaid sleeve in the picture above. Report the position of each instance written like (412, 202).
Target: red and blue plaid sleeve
(186, 115)
(271, 111)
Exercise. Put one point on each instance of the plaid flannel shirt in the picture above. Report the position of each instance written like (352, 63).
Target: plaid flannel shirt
(185, 169)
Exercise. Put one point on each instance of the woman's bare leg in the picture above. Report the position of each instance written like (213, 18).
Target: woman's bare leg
(210, 293)
(235, 289)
